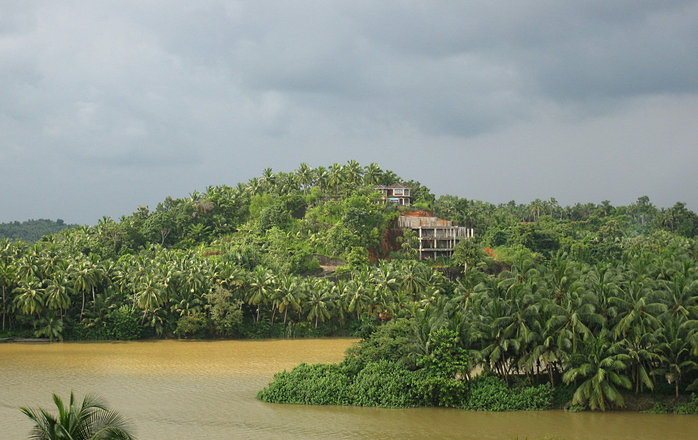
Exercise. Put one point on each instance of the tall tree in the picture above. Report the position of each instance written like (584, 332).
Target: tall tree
(601, 365)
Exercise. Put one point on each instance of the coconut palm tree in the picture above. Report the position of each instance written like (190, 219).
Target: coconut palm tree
(675, 351)
(7, 283)
(51, 327)
(89, 420)
(354, 173)
(261, 284)
(679, 292)
(637, 312)
(290, 289)
(149, 295)
(602, 365)
(414, 279)
(57, 293)
(336, 177)
(547, 348)
(30, 297)
(359, 296)
(571, 319)
(319, 303)
(372, 174)
(643, 352)
(84, 277)
(321, 178)
(305, 176)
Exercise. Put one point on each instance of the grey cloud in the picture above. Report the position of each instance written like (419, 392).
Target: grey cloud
(213, 92)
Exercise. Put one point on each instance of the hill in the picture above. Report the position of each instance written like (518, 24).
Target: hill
(244, 261)
(31, 230)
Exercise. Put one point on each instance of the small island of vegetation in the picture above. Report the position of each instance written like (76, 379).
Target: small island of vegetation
(590, 305)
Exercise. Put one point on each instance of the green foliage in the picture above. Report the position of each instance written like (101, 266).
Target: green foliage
(439, 390)
(85, 331)
(122, 324)
(274, 216)
(384, 384)
(468, 252)
(318, 384)
(225, 312)
(364, 327)
(389, 342)
(193, 326)
(161, 227)
(562, 395)
(32, 230)
(447, 358)
(389, 385)
(51, 328)
(690, 406)
(490, 393)
(600, 365)
(88, 420)
(119, 324)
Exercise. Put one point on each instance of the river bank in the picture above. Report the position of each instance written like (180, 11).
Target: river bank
(22, 340)
(388, 385)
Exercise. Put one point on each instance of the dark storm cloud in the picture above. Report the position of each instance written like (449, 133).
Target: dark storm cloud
(164, 97)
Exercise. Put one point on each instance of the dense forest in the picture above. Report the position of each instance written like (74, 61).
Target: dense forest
(601, 297)
(31, 231)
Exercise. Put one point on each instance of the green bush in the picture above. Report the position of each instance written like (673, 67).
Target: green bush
(274, 216)
(318, 384)
(487, 393)
(562, 395)
(688, 407)
(226, 313)
(390, 385)
(193, 326)
(122, 324)
(390, 342)
(490, 393)
(434, 390)
(385, 384)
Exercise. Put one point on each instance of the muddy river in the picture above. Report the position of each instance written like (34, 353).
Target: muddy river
(206, 390)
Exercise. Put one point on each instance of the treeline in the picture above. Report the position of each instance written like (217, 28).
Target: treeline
(209, 265)
(31, 231)
(308, 201)
(549, 330)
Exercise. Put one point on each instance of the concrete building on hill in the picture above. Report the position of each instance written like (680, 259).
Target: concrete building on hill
(396, 194)
(437, 237)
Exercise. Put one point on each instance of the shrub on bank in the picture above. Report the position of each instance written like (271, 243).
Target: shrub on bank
(193, 326)
(384, 384)
(432, 390)
(120, 324)
(689, 406)
(317, 384)
(491, 393)
(390, 385)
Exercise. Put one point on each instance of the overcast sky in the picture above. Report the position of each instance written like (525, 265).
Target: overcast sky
(108, 105)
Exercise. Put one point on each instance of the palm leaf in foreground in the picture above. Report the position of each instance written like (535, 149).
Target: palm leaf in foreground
(89, 420)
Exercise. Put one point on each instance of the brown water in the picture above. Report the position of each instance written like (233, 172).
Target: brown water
(206, 390)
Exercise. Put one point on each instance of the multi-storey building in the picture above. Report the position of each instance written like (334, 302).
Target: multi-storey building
(396, 194)
(437, 237)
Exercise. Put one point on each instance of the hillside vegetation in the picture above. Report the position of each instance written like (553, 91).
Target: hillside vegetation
(601, 296)
(31, 231)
